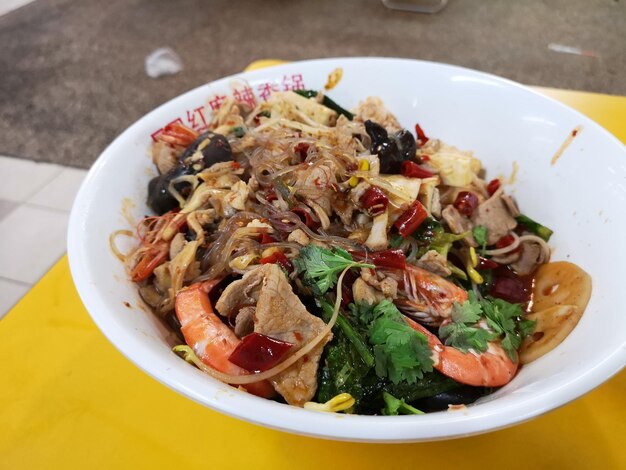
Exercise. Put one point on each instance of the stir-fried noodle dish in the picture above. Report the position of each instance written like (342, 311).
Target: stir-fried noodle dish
(335, 261)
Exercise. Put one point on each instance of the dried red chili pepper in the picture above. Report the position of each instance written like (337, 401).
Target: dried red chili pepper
(411, 219)
(374, 200)
(485, 263)
(301, 149)
(413, 170)
(258, 352)
(278, 257)
(466, 203)
(394, 259)
(420, 134)
(305, 216)
(270, 194)
(493, 186)
(266, 238)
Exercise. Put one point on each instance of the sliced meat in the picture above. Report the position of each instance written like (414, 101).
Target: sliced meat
(298, 236)
(511, 205)
(244, 322)
(532, 256)
(458, 223)
(362, 292)
(281, 315)
(241, 293)
(435, 263)
(495, 216)
(380, 282)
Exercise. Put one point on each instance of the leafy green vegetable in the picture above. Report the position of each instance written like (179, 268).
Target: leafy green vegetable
(535, 227)
(459, 333)
(395, 406)
(239, 131)
(443, 242)
(343, 370)
(357, 340)
(321, 267)
(395, 240)
(431, 236)
(428, 231)
(401, 353)
(326, 101)
(432, 384)
(480, 235)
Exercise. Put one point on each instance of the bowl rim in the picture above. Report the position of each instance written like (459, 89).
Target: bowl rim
(357, 428)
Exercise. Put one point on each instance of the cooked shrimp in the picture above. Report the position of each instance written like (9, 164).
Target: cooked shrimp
(493, 368)
(177, 134)
(427, 296)
(211, 340)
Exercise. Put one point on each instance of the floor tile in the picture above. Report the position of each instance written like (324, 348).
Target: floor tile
(22, 178)
(59, 193)
(33, 238)
(10, 293)
(6, 207)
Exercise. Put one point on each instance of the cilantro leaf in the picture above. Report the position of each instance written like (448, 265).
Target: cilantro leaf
(468, 312)
(526, 327)
(462, 333)
(503, 317)
(510, 344)
(395, 406)
(504, 320)
(480, 235)
(464, 337)
(400, 352)
(321, 267)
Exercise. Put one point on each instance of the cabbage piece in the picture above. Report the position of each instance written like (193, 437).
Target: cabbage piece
(427, 192)
(290, 105)
(456, 167)
(400, 189)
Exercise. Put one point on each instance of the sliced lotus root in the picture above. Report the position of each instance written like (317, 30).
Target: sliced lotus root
(561, 283)
(553, 325)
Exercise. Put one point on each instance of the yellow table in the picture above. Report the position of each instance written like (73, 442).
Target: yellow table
(69, 399)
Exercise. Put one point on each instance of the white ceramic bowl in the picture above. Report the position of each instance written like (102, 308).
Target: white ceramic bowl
(582, 197)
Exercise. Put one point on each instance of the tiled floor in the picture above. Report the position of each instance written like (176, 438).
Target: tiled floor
(35, 203)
